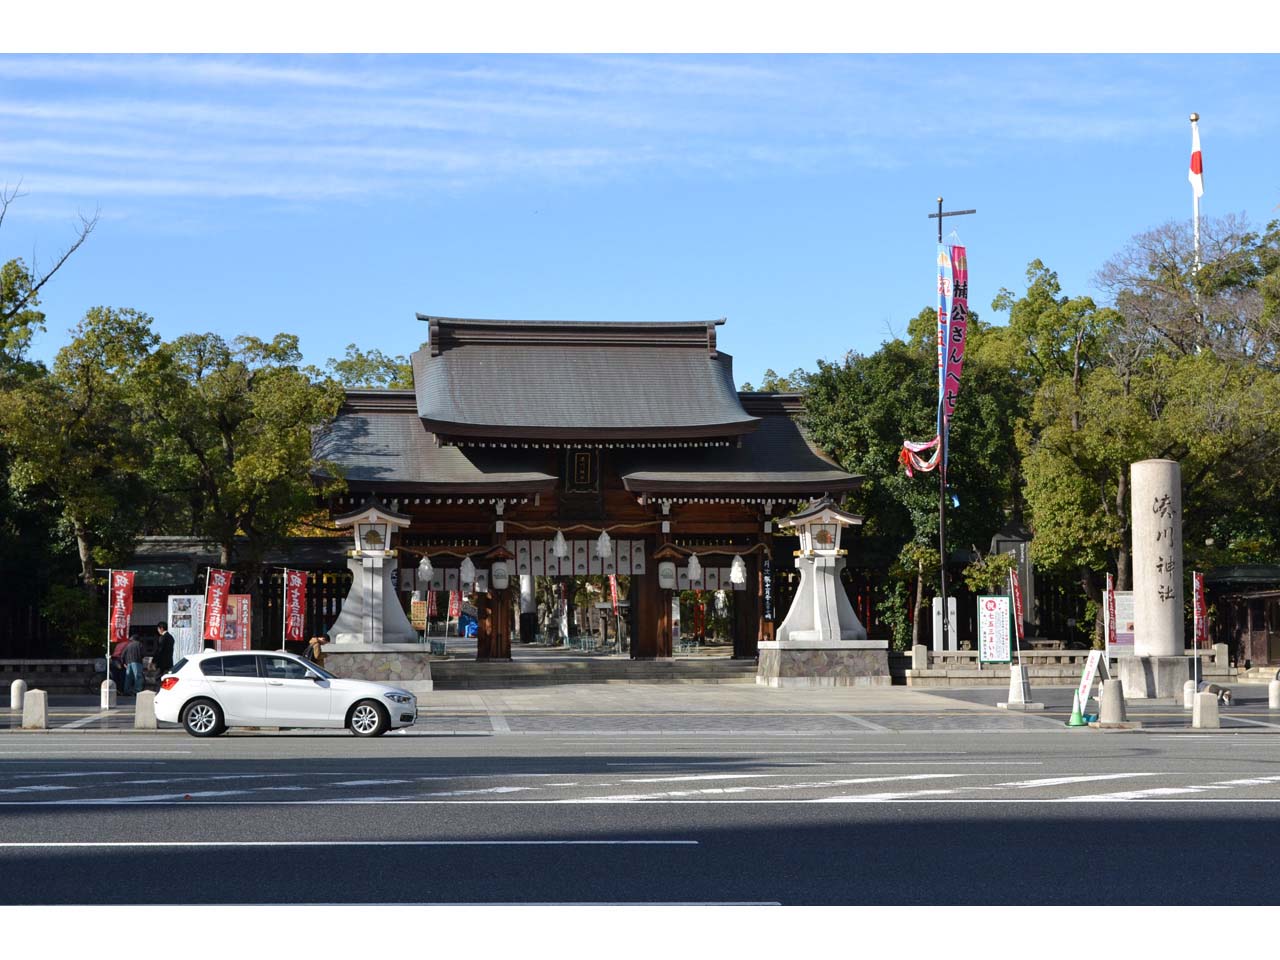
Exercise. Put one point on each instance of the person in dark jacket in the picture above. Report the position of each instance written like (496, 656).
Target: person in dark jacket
(163, 661)
(132, 656)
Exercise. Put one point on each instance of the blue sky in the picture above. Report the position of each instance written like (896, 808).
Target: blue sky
(335, 196)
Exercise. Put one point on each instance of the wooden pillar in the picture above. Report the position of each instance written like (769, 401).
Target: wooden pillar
(500, 645)
(647, 641)
(484, 628)
(746, 615)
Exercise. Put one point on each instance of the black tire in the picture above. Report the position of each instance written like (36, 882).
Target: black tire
(368, 718)
(203, 718)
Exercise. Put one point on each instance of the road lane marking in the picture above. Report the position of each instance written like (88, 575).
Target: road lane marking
(36, 788)
(1059, 781)
(725, 791)
(1256, 723)
(1197, 788)
(499, 723)
(56, 776)
(84, 722)
(187, 844)
(365, 783)
(865, 724)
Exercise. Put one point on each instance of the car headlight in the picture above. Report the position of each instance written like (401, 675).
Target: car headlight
(398, 697)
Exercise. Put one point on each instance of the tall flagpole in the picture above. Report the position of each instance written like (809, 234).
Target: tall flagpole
(943, 430)
(1196, 188)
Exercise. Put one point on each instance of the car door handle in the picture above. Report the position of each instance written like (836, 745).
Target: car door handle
(276, 683)
(217, 679)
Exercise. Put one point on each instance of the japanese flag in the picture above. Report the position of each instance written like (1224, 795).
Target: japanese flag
(1196, 174)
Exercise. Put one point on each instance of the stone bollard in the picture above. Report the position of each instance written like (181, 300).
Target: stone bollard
(1273, 695)
(1220, 657)
(35, 710)
(108, 695)
(144, 710)
(17, 693)
(1112, 710)
(919, 657)
(1205, 714)
(1188, 695)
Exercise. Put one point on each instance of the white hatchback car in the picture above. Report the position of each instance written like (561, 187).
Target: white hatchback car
(208, 692)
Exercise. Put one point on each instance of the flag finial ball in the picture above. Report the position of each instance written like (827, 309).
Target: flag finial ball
(1195, 117)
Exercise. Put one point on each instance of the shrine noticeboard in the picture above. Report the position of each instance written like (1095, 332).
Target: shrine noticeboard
(994, 622)
(236, 632)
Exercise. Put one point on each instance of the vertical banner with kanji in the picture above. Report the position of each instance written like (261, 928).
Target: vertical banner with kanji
(217, 589)
(432, 609)
(993, 630)
(1200, 610)
(1015, 588)
(121, 604)
(455, 604)
(766, 588)
(295, 605)
(613, 592)
(237, 633)
(1111, 614)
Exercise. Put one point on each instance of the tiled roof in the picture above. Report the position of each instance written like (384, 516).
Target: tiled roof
(491, 378)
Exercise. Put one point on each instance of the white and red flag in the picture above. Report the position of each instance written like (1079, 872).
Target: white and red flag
(121, 604)
(217, 589)
(295, 605)
(1196, 173)
(455, 604)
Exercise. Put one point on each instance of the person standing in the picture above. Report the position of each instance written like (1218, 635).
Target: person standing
(315, 650)
(132, 657)
(164, 653)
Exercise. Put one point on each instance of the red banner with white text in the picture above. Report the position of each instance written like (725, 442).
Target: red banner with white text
(217, 589)
(1017, 602)
(1200, 610)
(455, 604)
(121, 604)
(295, 605)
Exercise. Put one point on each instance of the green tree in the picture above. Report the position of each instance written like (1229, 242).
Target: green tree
(230, 428)
(794, 382)
(71, 435)
(371, 368)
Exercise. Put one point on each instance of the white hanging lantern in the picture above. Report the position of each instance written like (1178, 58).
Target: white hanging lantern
(424, 571)
(467, 572)
(695, 569)
(559, 547)
(738, 570)
(604, 547)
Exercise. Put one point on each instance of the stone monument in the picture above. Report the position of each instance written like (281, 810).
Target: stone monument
(821, 643)
(1159, 668)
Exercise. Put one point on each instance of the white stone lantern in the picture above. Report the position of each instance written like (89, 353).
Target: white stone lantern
(371, 614)
(821, 642)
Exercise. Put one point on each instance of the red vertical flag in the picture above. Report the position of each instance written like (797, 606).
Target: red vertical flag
(432, 609)
(1017, 602)
(1200, 609)
(613, 592)
(455, 604)
(295, 605)
(1111, 611)
(217, 589)
(121, 604)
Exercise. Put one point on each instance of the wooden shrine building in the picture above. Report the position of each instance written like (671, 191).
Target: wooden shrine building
(516, 431)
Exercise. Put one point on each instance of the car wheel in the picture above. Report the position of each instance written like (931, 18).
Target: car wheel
(368, 719)
(203, 718)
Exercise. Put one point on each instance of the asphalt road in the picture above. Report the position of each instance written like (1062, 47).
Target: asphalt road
(863, 816)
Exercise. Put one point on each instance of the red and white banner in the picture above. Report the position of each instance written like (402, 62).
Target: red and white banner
(1017, 602)
(217, 589)
(432, 607)
(1196, 174)
(121, 604)
(455, 604)
(1200, 609)
(957, 335)
(613, 592)
(295, 605)
(1111, 612)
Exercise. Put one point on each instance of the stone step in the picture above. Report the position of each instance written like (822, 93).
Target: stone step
(469, 673)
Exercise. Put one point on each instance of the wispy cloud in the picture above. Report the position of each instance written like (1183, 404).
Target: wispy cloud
(315, 128)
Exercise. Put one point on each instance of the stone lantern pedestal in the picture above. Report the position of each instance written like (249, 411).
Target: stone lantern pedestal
(821, 643)
(373, 638)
